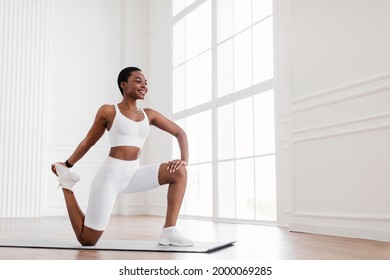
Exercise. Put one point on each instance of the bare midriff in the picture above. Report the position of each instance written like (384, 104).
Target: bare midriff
(125, 152)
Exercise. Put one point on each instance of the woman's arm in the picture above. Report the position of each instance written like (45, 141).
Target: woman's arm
(169, 126)
(93, 135)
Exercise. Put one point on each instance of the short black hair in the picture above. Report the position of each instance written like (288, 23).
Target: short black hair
(125, 74)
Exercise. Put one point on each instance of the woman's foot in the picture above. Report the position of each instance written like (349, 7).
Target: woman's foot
(67, 178)
(170, 236)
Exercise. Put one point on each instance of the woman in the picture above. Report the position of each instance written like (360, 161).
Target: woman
(128, 127)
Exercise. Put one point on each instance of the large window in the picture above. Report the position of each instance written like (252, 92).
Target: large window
(222, 70)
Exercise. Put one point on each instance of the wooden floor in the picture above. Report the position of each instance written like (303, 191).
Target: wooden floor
(253, 241)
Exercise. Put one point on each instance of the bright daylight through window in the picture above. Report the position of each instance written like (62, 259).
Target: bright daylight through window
(222, 79)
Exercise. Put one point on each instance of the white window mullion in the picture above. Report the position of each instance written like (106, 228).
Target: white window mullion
(254, 158)
(214, 109)
(235, 161)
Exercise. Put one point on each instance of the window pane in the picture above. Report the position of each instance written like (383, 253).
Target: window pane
(189, 2)
(261, 9)
(178, 89)
(224, 19)
(243, 60)
(199, 195)
(205, 190)
(192, 135)
(226, 190)
(191, 83)
(178, 43)
(205, 137)
(175, 146)
(191, 35)
(264, 123)
(244, 127)
(226, 132)
(263, 51)
(199, 133)
(204, 26)
(245, 189)
(191, 198)
(204, 78)
(242, 15)
(265, 188)
(179, 5)
(225, 68)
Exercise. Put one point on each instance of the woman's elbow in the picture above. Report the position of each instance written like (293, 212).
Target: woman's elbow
(181, 134)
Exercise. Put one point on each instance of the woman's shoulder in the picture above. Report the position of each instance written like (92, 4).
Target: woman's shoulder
(106, 109)
(153, 115)
(150, 112)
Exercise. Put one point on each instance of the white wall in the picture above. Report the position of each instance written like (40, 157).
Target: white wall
(334, 120)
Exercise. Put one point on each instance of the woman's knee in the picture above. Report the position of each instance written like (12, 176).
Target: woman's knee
(89, 236)
(88, 242)
(182, 172)
(166, 177)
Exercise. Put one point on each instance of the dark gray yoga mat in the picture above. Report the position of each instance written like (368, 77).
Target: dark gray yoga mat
(114, 245)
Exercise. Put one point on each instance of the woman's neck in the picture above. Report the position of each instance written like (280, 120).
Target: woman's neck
(129, 104)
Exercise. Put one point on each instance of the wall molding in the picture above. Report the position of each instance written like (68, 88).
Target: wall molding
(341, 94)
(84, 32)
(366, 124)
(377, 117)
(71, 147)
(158, 147)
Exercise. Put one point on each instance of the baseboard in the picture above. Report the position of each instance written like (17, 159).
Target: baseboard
(54, 211)
(128, 210)
(343, 231)
(156, 210)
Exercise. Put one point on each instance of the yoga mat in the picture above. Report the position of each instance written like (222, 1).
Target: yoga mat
(114, 245)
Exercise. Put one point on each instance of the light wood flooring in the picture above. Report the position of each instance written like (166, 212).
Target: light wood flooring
(253, 241)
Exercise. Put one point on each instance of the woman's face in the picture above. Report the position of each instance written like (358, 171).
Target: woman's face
(136, 86)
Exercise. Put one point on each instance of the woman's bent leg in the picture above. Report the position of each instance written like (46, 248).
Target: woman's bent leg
(85, 235)
(177, 186)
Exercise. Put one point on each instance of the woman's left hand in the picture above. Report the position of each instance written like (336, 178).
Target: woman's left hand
(174, 165)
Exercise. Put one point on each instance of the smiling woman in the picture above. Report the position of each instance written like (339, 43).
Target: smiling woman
(128, 127)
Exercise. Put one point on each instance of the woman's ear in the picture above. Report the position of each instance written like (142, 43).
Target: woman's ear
(123, 86)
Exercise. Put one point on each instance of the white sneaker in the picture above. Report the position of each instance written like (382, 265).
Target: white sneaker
(172, 237)
(67, 178)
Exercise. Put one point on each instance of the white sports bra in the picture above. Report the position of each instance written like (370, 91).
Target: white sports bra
(126, 132)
